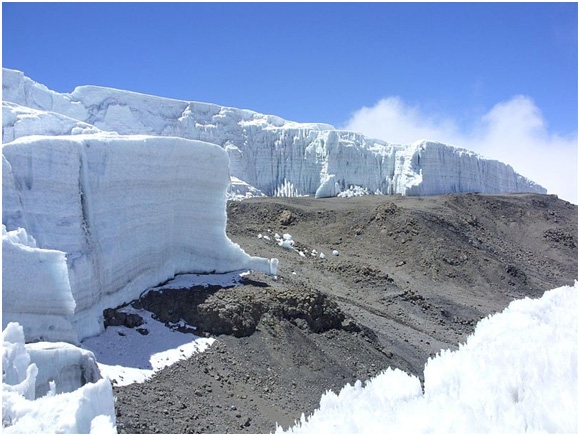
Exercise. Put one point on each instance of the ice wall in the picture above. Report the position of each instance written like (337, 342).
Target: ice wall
(128, 212)
(18, 121)
(62, 365)
(432, 168)
(35, 288)
(268, 152)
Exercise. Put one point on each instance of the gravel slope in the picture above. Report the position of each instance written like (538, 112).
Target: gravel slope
(413, 275)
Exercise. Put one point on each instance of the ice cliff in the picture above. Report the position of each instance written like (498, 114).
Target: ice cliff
(268, 153)
(106, 217)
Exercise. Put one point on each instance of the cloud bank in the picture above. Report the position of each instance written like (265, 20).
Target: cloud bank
(513, 131)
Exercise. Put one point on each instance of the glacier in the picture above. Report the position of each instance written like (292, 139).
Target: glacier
(91, 221)
(106, 193)
(265, 151)
(115, 191)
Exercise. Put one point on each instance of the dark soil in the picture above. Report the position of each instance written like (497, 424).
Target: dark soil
(413, 275)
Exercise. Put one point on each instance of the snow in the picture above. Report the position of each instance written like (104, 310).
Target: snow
(127, 212)
(287, 242)
(125, 356)
(70, 409)
(88, 409)
(269, 155)
(354, 191)
(517, 373)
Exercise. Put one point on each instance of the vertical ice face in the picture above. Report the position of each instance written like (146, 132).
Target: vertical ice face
(67, 366)
(433, 168)
(266, 152)
(128, 212)
(36, 290)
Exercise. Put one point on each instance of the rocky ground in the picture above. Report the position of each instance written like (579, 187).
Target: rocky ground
(411, 276)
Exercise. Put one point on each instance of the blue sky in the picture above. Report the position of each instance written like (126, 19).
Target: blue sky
(438, 69)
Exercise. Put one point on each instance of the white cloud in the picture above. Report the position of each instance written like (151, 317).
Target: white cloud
(513, 131)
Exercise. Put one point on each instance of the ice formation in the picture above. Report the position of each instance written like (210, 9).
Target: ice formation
(108, 192)
(35, 288)
(109, 216)
(52, 388)
(240, 190)
(275, 156)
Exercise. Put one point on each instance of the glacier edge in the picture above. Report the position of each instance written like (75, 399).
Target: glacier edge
(268, 152)
(121, 214)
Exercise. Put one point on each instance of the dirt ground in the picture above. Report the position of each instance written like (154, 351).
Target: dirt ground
(411, 276)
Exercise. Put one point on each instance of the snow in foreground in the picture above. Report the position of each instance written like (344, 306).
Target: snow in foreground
(517, 373)
(87, 409)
